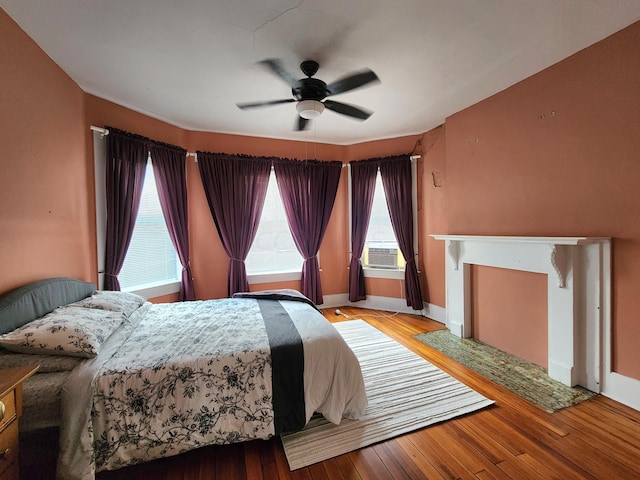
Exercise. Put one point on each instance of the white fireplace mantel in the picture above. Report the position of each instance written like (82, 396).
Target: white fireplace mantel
(578, 270)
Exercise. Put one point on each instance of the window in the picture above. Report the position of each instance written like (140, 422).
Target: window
(151, 258)
(273, 250)
(381, 257)
(381, 247)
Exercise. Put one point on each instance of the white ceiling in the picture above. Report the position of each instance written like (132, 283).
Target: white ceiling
(189, 62)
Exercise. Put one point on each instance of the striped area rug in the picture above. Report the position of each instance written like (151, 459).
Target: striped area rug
(405, 393)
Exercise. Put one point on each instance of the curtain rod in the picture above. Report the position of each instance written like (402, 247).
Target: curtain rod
(100, 130)
(413, 158)
(105, 131)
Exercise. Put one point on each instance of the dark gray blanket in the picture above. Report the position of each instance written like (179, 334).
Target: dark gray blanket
(287, 357)
(278, 294)
(287, 367)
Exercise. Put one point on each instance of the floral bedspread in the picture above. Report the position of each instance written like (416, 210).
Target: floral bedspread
(173, 388)
(186, 375)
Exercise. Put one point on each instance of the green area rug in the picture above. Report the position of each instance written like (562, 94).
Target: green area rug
(526, 379)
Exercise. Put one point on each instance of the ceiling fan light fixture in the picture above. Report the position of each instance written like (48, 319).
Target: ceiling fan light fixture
(310, 109)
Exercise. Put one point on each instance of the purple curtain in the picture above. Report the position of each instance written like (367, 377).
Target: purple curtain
(363, 184)
(127, 156)
(396, 179)
(235, 187)
(308, 190)
(169, 166)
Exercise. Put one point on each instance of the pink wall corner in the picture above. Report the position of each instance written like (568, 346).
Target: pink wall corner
(434, 214)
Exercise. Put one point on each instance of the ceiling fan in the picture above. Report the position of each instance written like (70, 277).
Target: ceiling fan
(311, 93)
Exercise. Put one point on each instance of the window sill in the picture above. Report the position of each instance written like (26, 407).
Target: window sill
(154, 290)
(396, 274)
(256, 278)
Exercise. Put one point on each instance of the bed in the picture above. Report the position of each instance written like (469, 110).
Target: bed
(135, 381)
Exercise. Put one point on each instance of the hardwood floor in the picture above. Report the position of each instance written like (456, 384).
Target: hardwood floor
(597, 439)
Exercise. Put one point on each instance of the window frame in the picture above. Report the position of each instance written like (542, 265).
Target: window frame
(391, 273)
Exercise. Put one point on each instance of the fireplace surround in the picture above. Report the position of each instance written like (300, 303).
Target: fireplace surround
(578, 273)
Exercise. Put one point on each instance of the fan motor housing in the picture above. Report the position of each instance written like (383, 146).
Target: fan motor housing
(310, 89)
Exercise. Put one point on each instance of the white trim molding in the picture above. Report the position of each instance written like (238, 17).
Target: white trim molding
(272, 277)
(578, 291)
(435, 312)
(388, 304)
(622, 389)
(334, 300)
(155, 290)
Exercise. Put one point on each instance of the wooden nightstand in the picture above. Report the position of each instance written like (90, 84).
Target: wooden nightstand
(10, 410)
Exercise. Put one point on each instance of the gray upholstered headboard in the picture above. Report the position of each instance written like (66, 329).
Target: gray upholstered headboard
(36, 299)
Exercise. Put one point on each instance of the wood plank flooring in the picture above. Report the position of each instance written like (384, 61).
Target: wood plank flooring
(597, 439)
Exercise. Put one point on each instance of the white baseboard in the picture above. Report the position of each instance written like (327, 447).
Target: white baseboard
(372, 302)
(622, 389)
(388, 304)
(335, 300)
(435, 312)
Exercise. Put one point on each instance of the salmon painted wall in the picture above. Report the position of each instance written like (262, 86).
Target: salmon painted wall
(559, 154)
(515, 323)
(45, 207)
(433, 215)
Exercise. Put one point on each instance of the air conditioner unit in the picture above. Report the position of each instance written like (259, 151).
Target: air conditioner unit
(382, 257)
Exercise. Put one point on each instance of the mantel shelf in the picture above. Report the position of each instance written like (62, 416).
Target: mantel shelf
(522, 239)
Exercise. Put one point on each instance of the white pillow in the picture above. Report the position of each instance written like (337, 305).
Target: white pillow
(124, 302)
(73, 331)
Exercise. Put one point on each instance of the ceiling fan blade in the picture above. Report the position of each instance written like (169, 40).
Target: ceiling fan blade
(352, 81)
(346, 109)
(243, 106)
(301, 123)
(276, 67)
